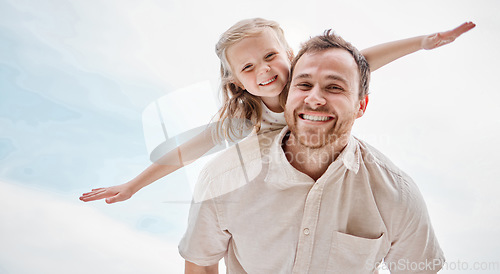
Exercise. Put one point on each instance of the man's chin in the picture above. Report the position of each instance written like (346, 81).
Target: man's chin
(311, 145)
(314, 140)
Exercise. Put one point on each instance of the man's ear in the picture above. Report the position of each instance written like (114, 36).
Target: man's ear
(362, 106)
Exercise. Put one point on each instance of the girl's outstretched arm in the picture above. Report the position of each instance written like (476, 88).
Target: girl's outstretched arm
(381, 55)
(170, 162)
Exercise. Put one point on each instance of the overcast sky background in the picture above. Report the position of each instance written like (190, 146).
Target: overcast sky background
(77, 76)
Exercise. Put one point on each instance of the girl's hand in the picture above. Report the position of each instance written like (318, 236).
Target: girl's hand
(112, 194)
(442, 38)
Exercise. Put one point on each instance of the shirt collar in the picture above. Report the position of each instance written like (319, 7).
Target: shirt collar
(280, 170)
(351, 156)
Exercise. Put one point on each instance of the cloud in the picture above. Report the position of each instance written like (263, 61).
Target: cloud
(41, 232)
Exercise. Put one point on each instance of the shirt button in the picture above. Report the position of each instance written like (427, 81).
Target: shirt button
(306, 231)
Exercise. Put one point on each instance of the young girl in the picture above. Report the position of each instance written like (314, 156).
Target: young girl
(255, 62)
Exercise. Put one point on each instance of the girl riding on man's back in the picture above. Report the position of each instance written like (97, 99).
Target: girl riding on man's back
(255, 66)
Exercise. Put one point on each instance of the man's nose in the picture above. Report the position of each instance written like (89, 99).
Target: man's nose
(315, 98)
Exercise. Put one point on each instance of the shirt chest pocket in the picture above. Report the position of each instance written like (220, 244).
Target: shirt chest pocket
(353, 254)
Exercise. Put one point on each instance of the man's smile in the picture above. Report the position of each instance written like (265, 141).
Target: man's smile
(315, 117)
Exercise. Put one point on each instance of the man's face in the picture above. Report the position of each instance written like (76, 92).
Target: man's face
(323, 99)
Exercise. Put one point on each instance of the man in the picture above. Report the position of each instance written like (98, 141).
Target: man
(311, 198)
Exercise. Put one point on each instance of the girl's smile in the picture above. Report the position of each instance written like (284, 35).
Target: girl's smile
(269, 81)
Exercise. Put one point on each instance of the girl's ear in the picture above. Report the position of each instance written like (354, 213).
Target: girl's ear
(237, 83)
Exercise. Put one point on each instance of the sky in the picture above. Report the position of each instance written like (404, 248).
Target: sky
(80, 81)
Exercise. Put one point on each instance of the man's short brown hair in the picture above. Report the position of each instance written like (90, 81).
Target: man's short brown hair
(329, 40)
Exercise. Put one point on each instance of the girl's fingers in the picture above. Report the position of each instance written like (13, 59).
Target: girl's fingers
(94, 192)
(442, 38)
(94, 195)
(111, 194)
(465, 27)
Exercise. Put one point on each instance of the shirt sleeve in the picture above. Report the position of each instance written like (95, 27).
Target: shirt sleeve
(204, 242)
(415, 248)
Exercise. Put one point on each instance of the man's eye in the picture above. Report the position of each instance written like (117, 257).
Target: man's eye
(304, 86)
(334, 88)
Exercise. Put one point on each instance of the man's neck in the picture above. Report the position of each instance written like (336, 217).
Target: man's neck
(312, 161)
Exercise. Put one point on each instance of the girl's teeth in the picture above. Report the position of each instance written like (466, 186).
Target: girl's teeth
(267, 82)
(315, 118)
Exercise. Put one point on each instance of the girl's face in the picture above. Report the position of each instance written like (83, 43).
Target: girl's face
(260, 64)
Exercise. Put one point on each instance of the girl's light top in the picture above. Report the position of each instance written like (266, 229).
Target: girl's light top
(271, 120)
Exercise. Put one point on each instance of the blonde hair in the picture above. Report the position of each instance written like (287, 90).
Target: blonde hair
(240, 109)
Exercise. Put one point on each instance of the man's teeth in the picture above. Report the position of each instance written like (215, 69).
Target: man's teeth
(270, 81)
(315, 118)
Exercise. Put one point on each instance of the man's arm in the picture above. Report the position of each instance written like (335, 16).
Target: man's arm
(414, 248)
(206, 240)
(191, 268)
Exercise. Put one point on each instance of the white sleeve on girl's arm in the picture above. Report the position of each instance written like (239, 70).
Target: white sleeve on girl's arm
(271, 120)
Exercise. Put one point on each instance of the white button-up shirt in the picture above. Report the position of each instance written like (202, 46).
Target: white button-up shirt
(254, 208)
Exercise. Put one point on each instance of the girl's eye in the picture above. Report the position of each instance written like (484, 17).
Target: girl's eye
(247, 67)
(270, 55)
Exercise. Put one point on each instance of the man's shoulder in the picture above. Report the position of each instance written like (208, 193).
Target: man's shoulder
(372, 156)
(402, 208)
(386, 175)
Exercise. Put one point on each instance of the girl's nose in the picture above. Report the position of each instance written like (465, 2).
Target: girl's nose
(265, 68)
